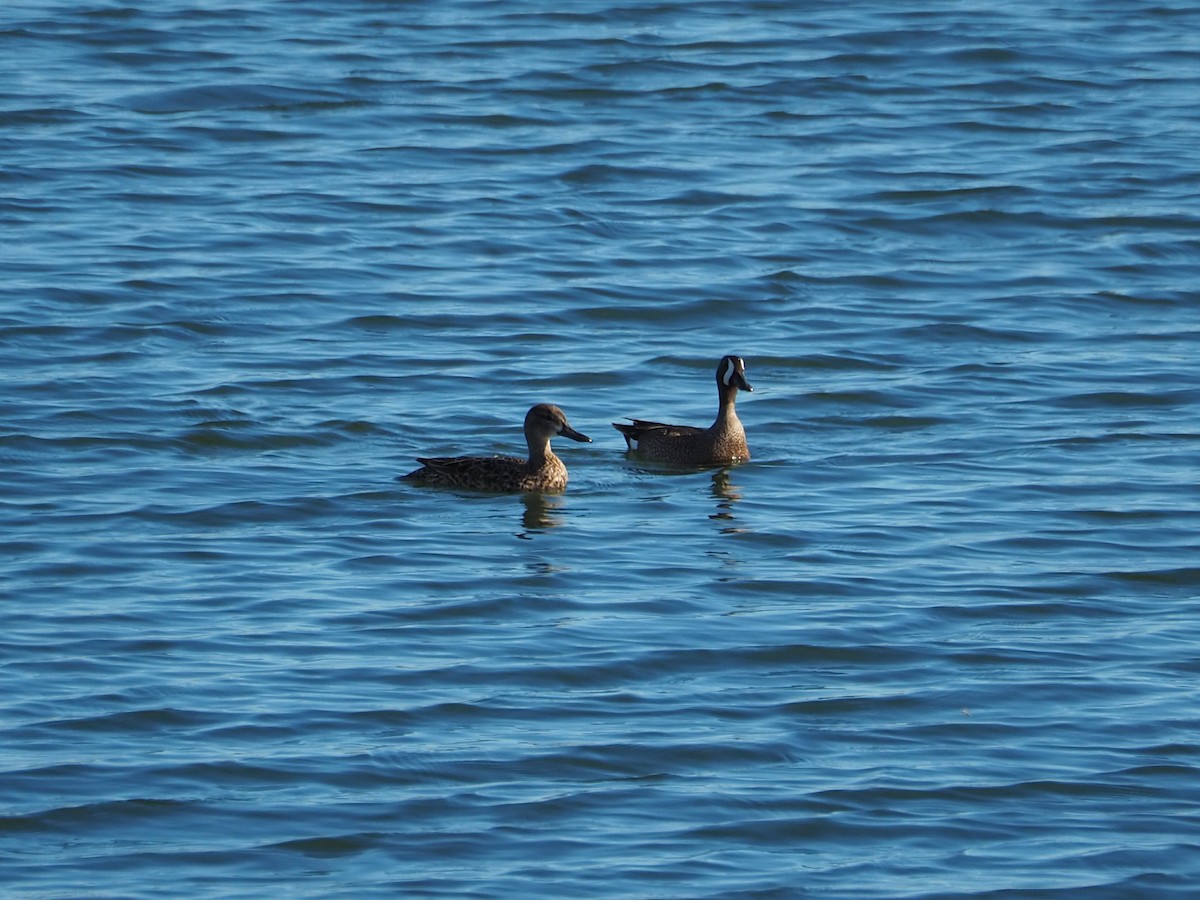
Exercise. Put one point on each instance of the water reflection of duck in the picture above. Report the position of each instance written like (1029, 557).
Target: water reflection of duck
(726, 494)
(538, 514)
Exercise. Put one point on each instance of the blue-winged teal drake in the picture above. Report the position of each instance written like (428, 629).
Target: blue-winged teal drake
(543, 471)
(723, 442)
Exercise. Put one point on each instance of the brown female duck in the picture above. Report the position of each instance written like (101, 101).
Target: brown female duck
(542, 471)
(722, 442)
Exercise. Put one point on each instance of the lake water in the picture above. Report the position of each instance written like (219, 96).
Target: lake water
(939, 638)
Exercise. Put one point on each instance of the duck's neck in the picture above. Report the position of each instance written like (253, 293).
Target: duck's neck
(727, 413)
(539, 452)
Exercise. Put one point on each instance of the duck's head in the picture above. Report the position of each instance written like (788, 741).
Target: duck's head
(547, 420)
(731, 373)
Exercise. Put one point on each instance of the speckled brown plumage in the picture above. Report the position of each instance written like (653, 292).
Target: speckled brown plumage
(542, 471)
(722, 442)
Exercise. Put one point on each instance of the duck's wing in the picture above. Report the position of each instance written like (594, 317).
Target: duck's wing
(640, 428)
(467, 471)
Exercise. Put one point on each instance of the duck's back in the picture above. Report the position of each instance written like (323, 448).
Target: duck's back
(467, 471)
(490, 473)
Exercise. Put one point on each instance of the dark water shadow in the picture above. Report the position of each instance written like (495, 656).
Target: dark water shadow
(539, 512)
(656, 467)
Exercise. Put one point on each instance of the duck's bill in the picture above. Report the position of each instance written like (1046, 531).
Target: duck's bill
(568, 431)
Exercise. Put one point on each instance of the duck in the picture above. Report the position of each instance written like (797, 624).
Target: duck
(541, 472)
(722, 442)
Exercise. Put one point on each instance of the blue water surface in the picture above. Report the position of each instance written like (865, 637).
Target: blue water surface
(938, 638)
